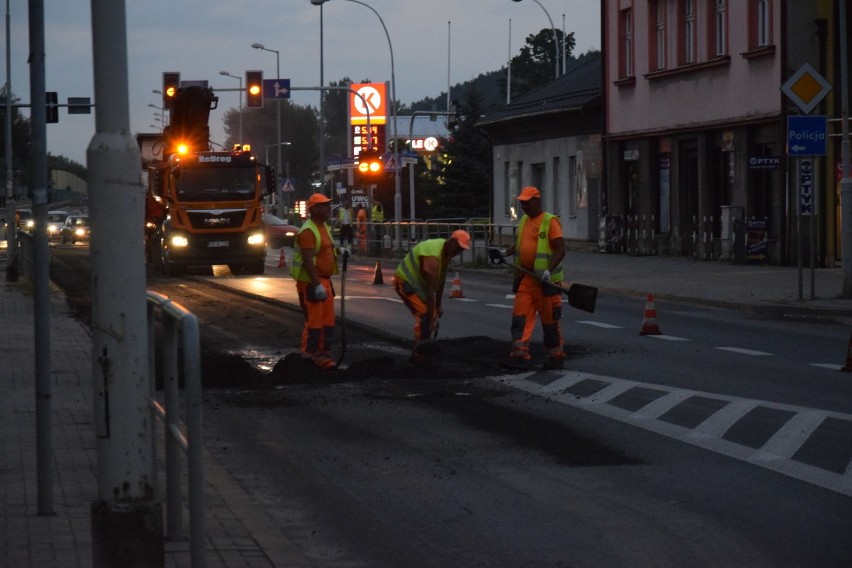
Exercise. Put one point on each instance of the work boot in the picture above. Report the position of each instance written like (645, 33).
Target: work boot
(421, 357)
(324, 362)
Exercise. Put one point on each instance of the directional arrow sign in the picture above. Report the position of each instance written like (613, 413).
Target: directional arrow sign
(276, 88)
(807, 135)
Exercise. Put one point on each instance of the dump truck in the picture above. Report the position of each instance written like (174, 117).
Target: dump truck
(203, 207)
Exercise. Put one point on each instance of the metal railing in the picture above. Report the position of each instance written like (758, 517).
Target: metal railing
(178, 331)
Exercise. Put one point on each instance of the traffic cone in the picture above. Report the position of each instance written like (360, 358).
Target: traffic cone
(649, 319)
(456, 290)
(847, 368)
(377, 275)
(282, 260)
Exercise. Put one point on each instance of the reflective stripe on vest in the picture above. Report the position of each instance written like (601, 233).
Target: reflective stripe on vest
(543, 254)
(409, 268)
(297, 266)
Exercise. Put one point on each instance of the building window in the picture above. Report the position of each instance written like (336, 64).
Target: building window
(657, 35)
(760, 23)
(688, 34)
(720, 28)
(625, 53)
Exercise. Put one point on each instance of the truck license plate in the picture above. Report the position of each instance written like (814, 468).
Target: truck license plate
(213, 244)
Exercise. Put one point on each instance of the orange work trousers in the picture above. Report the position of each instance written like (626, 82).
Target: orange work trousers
(423, 323)
(318, 333)
(531, 298)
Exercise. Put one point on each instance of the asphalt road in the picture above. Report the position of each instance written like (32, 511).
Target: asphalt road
(474, 467)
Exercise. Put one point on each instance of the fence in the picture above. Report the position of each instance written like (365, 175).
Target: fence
(178, 332)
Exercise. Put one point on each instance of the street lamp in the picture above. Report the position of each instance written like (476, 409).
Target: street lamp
(552, 27)
(278, 192)
(162, 117)
(397, 197)
(226, 74)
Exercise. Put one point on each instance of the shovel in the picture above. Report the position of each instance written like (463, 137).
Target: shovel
(580, 296)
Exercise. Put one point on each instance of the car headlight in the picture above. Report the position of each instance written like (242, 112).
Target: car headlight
(30, 223)
(179, 241)
(52, 229)
(256, 239)
(80, 232)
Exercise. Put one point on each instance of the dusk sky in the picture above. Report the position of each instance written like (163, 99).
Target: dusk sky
(201, 38)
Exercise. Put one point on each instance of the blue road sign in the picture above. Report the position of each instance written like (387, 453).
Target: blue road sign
(807, 135)
(276, 88)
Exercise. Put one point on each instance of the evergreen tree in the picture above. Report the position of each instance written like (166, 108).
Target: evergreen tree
(535, 63)
(465, 179)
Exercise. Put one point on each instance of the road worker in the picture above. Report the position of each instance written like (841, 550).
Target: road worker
(539, 248)
(361, 224)
(314, 263)
(419, 281)
(345, 218)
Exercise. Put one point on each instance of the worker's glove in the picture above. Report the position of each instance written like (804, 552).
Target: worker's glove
(319, 293)
(545, 276)
(345, 253)
(496, 255)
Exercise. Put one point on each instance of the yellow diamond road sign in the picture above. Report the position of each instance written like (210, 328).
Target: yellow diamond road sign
(806, 87)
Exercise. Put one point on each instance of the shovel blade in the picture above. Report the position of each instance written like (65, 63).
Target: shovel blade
(582, 297)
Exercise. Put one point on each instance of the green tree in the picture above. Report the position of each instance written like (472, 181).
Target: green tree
(465, 178)
(535, 63)
(21, 143)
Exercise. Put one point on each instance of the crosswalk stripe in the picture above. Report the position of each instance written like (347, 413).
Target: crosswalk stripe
(744, 351)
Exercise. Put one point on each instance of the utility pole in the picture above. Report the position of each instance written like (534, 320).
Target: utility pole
(11, 232)
(127, 525)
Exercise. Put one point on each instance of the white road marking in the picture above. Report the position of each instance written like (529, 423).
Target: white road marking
(600, 324)
(775, 454)
(831, 366)
(669, 337)
(745, 351)
(499, 306)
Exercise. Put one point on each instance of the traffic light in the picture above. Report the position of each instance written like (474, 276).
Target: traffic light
(51, 110)
(171, 83)
(254, 89)
(453, 116)
(370, 163)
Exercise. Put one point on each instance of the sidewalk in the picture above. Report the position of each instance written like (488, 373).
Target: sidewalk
(239, 533)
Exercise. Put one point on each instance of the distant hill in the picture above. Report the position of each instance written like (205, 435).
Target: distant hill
(486, 83)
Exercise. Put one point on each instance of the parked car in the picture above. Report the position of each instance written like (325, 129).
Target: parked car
(55, 220)
(278, 232)
(76, 228)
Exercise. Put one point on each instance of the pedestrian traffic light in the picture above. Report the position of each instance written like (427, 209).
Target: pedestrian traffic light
(51, 108)
(171, 83)
(254, 89)
(370, 163)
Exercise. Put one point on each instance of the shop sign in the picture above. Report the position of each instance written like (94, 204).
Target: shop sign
(764, 162)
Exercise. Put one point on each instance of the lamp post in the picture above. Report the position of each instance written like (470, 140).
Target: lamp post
(162, 113)
(322, 101)
(397, 197)
(226, 74)
(278, 192)
(552, 27)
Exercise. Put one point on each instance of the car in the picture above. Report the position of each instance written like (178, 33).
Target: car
(25, 219)
(55, 220)
(76, 228)
(278, 232)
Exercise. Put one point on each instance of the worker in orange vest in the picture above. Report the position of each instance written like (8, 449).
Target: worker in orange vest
(361, 224)
(314, 263)
(538, 248)
(419, 282)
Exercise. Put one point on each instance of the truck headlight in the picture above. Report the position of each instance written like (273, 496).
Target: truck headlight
(179, 241)
(256, 239)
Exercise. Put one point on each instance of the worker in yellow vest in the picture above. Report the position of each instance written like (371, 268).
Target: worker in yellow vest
(419, 282)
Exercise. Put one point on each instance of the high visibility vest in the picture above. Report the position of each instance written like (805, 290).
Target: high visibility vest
(409, 268)
(543, 254)
(297, 267)
(378, 214)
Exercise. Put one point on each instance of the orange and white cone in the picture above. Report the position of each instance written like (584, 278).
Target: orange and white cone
(377, 274)
(649, 319)
(456, 290)
(282, 259)
(847, 368)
